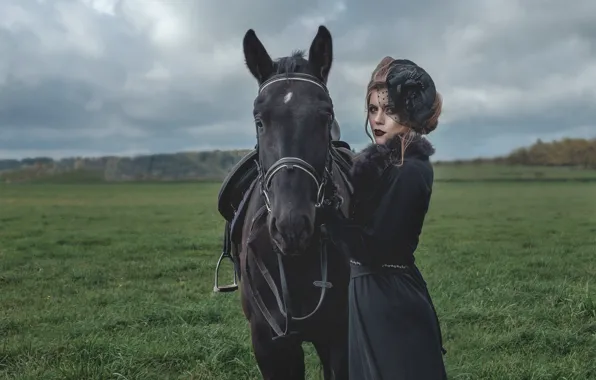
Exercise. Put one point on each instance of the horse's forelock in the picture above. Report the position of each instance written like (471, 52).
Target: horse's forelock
(295, 63)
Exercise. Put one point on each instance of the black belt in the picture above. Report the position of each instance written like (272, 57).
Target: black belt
(360, 269)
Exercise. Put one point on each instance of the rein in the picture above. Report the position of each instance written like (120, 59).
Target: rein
(327, 195)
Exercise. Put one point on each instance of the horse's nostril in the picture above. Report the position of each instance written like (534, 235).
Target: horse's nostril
(273, 225)
(276, 230)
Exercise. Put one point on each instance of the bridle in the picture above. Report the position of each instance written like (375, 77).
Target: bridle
(291, 163)
(326, 195)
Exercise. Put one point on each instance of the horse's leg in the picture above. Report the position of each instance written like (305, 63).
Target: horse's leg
(282, 359)
(333, 353)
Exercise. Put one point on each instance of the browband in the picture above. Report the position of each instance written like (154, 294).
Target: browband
(293, 76)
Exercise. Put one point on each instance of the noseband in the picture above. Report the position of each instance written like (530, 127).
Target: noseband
(291, 163)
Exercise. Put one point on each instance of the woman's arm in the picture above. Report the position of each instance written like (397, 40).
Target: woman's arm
(396, 223)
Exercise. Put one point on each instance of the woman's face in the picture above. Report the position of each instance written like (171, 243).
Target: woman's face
(383, 121)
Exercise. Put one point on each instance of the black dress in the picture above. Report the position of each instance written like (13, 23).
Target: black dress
(394, 331)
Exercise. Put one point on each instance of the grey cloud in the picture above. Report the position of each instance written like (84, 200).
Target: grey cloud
(267, 17)
(137, 76)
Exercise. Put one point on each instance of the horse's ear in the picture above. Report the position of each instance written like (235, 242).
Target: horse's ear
(257, 59)
(320, 55)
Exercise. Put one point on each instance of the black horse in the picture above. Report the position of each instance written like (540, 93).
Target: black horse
(300, 171)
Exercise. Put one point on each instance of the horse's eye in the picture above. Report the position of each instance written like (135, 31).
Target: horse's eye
(258, 124)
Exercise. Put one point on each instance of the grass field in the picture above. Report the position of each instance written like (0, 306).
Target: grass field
(450, 172)
(499, 172)
(114, 282)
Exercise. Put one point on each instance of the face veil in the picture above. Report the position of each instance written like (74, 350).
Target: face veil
(386, 105)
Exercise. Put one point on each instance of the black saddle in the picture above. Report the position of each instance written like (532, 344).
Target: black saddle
(236, 183)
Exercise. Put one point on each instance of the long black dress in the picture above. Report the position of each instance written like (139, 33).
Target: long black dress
(394, 330)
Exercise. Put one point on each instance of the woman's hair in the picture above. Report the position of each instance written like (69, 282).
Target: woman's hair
(378, 78)
(377, 82)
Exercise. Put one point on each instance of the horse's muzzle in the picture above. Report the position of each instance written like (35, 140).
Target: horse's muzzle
(291, 231)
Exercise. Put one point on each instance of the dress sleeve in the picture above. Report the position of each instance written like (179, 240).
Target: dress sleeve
(397, 220)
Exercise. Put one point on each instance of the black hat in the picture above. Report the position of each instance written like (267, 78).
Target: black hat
(412, 92)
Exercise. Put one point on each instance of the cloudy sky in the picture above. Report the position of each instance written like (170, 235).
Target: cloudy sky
(94, 77)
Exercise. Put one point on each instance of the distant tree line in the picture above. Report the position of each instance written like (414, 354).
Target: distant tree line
(156, 167)
(566, 152)
(216, 164)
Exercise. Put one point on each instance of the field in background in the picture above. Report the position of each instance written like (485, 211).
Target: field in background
(113, 281)
(467, 171)
(500, 172)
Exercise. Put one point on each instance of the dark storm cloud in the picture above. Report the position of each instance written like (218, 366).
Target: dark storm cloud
(132, 76)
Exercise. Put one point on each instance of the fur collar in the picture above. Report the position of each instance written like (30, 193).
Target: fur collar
(372, 161)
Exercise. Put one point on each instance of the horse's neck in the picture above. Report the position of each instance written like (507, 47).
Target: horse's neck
(342, 186)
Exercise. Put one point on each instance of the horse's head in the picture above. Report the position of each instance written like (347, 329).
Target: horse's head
(293, 114)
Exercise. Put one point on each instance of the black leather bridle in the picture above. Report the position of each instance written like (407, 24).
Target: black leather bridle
(291, 163)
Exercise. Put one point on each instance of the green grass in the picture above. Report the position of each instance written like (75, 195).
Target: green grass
(500, 172)
(114, 282)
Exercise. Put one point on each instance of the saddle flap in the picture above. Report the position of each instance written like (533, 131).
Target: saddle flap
(236, 184)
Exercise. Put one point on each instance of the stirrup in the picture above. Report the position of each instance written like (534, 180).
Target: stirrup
(226, 288)
(225, 253)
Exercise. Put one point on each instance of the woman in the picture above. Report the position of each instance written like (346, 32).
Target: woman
(394, 331)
